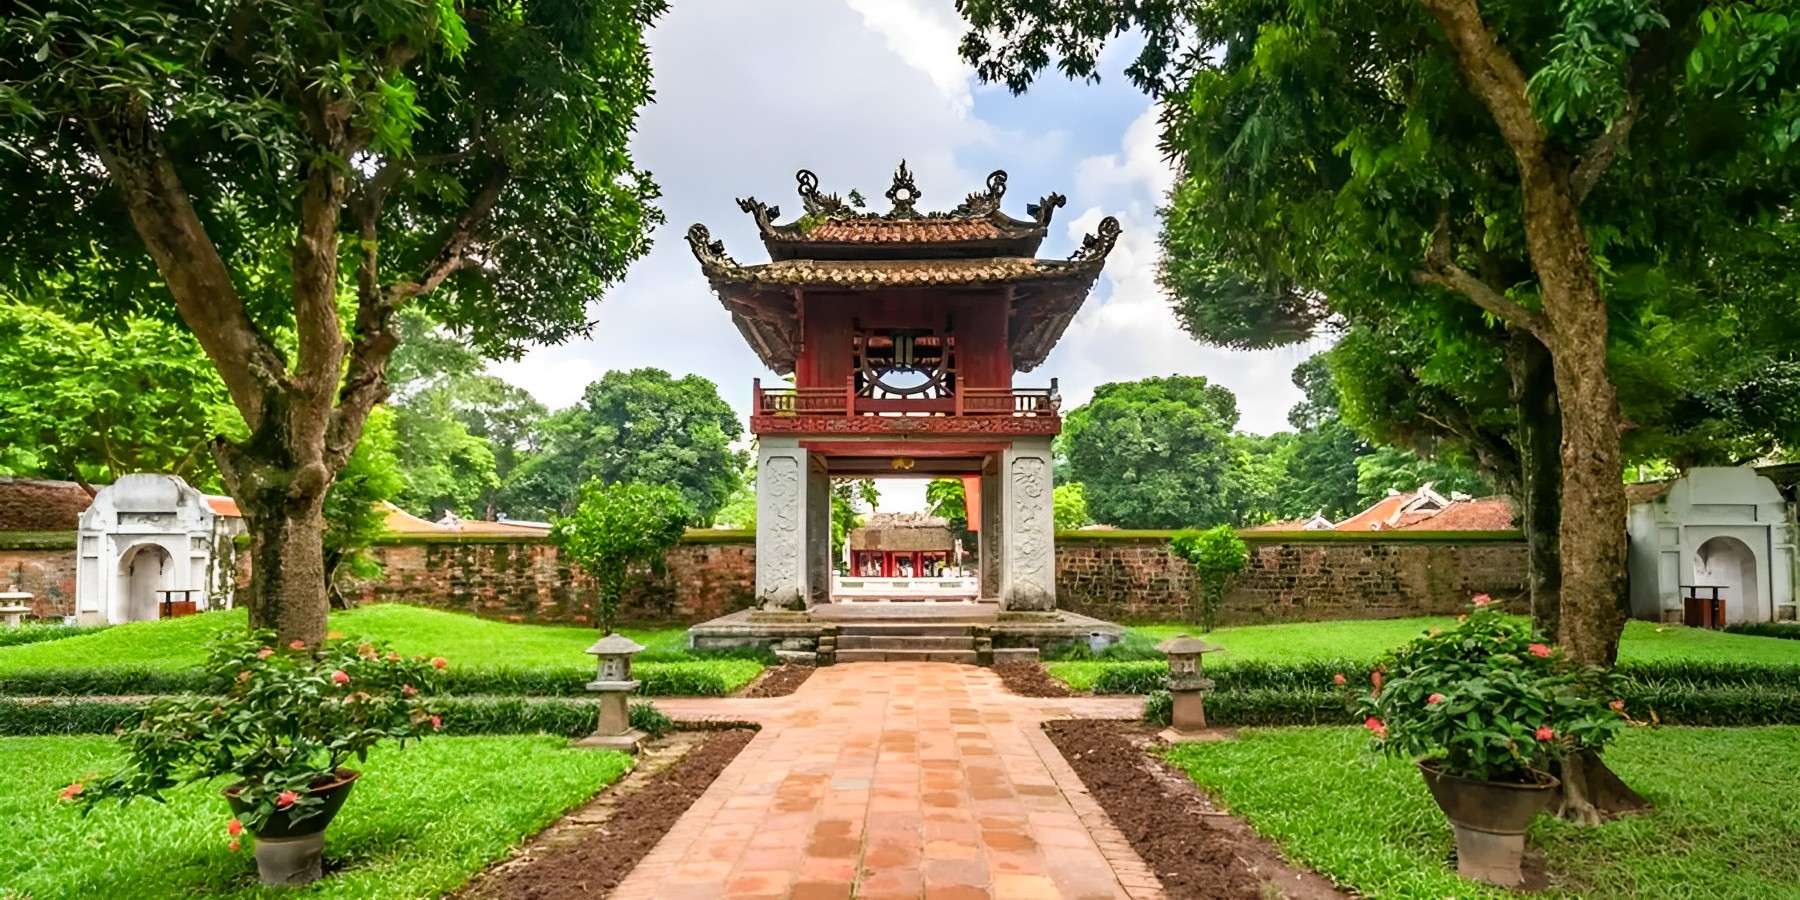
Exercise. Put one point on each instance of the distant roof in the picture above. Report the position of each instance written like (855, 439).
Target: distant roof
(902, 532)
(1427, 510)
(28, 504)
(224, 506)
(1646, 491)
(399, 521)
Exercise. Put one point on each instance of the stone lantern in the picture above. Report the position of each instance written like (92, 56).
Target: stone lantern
(1188, 685)
(614, 684)
(15, 605)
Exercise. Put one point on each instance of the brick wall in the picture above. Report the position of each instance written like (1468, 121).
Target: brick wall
(48, 574)
(526, 582)
(1292, 580)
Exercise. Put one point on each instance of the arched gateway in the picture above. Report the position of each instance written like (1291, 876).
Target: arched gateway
(902, 332)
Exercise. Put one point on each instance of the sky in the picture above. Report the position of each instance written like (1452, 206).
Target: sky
(747, 93)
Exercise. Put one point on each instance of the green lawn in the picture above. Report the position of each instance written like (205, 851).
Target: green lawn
(1725, 824)
(1363, 641)
(469, 643)
(418, 824)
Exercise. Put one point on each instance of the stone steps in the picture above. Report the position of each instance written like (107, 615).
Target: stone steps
(904, 629)
(966, 657)
(904, 642)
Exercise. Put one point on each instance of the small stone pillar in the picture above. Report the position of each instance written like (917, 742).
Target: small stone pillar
(1188, 685)
(15, 605)
(614, 684)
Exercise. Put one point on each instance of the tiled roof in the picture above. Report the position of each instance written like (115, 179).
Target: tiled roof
(902, 272)
(1376, 516)
(399, 521)
(1484, 514)
(32, 505)
(894, 231)
(224, 506)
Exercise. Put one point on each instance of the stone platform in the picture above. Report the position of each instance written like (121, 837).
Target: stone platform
(971, 632)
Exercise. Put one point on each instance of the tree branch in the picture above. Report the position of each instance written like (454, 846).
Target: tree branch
(163, 216)
(449, 257)
(1604, 150)
(1441, 270)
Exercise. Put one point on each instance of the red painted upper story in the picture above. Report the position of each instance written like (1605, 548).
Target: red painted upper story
(904, 322)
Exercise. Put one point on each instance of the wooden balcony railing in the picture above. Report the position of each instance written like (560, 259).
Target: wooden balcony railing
(984, 402)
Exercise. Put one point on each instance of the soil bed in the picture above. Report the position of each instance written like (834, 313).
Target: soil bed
(1193, 848)
(1030, 680)
(779, 681)
(590, 852)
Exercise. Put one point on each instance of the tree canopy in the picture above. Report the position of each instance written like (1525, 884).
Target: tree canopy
(294, 174)
(1156, 453)
(617, 526)
(644, 426)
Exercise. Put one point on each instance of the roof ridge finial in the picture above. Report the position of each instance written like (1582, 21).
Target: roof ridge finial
(904, 194)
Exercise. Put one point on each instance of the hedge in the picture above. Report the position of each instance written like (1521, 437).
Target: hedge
(1734, 705)
(696, 678)
(1788, 630)
(1145, 676)
(462, 715)
(37, 540)
(1254, 536)
(34, 633)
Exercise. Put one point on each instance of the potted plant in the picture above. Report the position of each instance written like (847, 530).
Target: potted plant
(1485, 709)
(282, 723)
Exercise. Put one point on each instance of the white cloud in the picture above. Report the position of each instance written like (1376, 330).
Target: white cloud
(1139, 162)
(924, 34)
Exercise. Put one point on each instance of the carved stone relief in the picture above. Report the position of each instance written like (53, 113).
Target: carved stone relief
(778, 526)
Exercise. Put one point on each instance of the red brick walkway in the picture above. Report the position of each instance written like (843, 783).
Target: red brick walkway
(883, 780)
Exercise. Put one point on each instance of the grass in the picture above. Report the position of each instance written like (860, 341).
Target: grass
(469, 643)
(33, 632)
(1723, 826)
(1362, 641)
(419, 823)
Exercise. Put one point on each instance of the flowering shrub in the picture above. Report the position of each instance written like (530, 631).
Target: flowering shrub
(1488, 699)
(278, 721)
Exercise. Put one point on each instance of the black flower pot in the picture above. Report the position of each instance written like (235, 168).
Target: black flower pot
(1489, 818)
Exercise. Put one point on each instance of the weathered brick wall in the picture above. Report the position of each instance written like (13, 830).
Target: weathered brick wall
(526, 582)
(49, 575)
(1292, 581)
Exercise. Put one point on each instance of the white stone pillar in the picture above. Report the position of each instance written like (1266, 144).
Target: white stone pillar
(1028, 530)
(992, 552)
(781, 523)
(818, 534)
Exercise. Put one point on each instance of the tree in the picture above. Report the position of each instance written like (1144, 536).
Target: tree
(354, 512)
(292, 167)
(1355, 156)
(1217, 555)
(1069, 509)
(1156, 453)
(618, 526)
(642, 425)
(88, 405)
(445, 467)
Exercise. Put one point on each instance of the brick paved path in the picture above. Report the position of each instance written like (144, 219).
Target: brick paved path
(883, 780)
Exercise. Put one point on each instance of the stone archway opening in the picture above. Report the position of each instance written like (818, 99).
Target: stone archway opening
(1728, 563)
(144, 569)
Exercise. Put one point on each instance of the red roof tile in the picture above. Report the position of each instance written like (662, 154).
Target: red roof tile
(900, 231)
(1484, 514)
(31, 505)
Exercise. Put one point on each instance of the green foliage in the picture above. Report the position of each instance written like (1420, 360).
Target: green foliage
(1388, 469)
(354, 515)
(33, 632)
(1787, 630)
(1156, 453)
(944, 498)
(277, 721)
(616, 527)
(1069, 507)
(91, 403)
(650, 720)
(1217, 555)
(644, 426)
(1370, 825)
(1488, 700)
(421, 822)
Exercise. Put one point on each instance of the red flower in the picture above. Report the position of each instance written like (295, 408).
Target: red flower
(1618, 706)
(366, 651)
(340, 677)
(1434, 699)
(1376, 726)
(243, 676)
(438, 662)
(437, 723)
(265, 653)
(1338, 679)
(1483, 599)
(1544, 733)
(408, 690)
(286, 799)
(296, 645)
(234, 846)
(1539, 650)
(234, 828)
(1376, 679)
(72, 791)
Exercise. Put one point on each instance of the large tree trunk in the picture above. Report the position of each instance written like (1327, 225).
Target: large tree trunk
(1540, 474)
(284, 514)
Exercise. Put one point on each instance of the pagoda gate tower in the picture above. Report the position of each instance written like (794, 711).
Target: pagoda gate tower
(902, 333)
